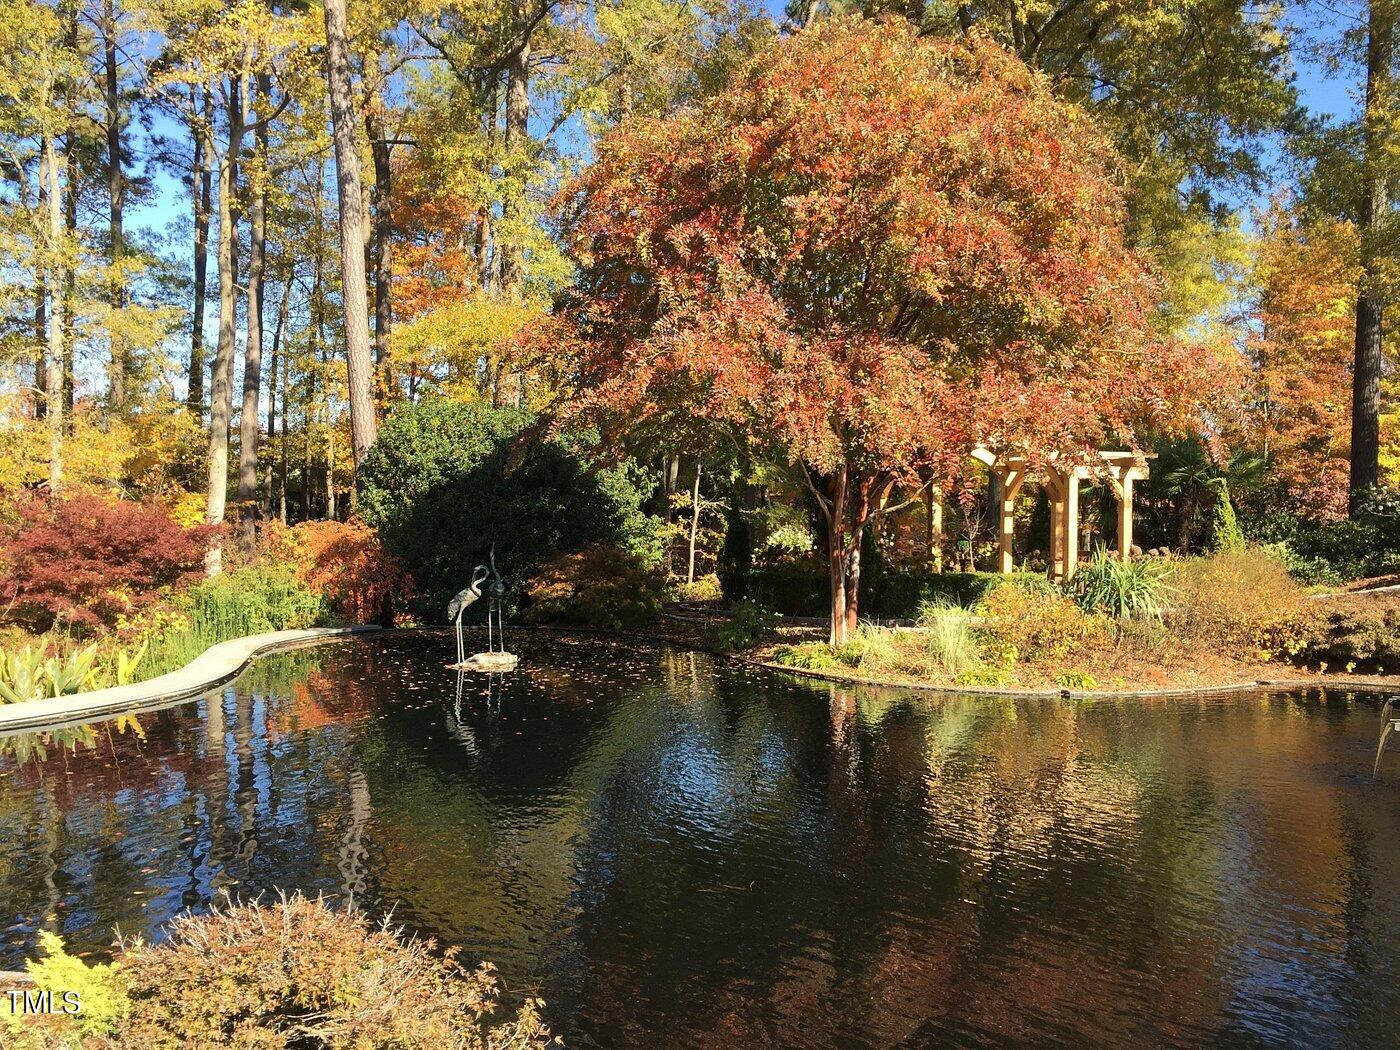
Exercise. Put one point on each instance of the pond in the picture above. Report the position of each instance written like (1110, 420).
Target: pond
(674, 850)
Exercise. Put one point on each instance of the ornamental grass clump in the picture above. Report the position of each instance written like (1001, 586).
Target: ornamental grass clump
(951, 638)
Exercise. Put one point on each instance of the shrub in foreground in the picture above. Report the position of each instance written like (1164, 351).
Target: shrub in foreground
(598, 587)
(83, 562)
(292, 974)
(1361, 633)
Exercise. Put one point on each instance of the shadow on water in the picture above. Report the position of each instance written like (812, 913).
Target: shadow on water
(672, 849)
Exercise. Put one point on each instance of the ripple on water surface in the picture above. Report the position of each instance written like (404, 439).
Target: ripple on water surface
(681, 852)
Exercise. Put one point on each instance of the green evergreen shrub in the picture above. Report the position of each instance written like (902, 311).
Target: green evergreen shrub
(801, 588)
(747, 626)
(1225, 532)
(445, 481)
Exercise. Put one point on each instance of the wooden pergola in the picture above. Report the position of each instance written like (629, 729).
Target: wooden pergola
(1061, 482)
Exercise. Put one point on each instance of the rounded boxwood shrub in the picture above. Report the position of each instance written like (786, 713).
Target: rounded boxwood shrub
(446, 480)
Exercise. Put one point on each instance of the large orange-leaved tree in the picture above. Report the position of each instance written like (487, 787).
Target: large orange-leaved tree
(867, 254)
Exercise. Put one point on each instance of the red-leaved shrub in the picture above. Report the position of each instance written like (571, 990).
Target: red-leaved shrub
(345, 562)
(83, 561)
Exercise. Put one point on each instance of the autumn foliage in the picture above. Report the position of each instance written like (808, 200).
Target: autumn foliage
(84, 561)
(345, 562)
(871, 252)
(1302, 351)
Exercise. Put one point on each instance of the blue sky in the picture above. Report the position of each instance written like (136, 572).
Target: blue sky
(1323, 92)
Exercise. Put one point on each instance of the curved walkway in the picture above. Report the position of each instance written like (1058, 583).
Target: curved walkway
(213, 667)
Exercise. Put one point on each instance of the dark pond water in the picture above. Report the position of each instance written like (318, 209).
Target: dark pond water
(678, 852)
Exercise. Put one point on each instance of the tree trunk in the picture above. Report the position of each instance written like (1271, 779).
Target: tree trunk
(221, 377)
(248, 430)
(53, 395)
(1370, 301)
(275, 380)
(313, 358)
(517, 136)
(694, 523)
(116, 199)
(516, 139)
(282, 466)
(383, 246)
(41, 334)
(846, 506)
(352, 231)
(202, 194)
(70, 281)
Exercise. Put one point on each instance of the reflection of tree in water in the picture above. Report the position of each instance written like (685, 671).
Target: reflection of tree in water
(678, 842)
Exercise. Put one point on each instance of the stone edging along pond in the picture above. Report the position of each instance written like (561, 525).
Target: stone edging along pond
(213, 667)
(225, 661)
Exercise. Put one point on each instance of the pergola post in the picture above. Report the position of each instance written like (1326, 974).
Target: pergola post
(1055, 489)
(1125, 518)
(1069, 530)
(1011, 479)
(1121, 471)
(935, 527)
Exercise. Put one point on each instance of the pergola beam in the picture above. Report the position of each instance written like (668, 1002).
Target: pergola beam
(1119, 469)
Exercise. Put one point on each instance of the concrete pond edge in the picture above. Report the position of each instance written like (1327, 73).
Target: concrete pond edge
(212, 668)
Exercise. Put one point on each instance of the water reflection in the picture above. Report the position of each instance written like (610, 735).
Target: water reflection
(673, 850)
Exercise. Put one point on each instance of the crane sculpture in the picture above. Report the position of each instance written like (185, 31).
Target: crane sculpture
(489, 580)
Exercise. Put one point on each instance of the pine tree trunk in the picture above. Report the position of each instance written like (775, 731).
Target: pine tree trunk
(1370, 301)
(70, 282)
(41, 334)
(516, 138)
(517, 134)
(116, 194)
(383, 247)
(54, 274)
(352, 231)
(202, 193)
(221, 376)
